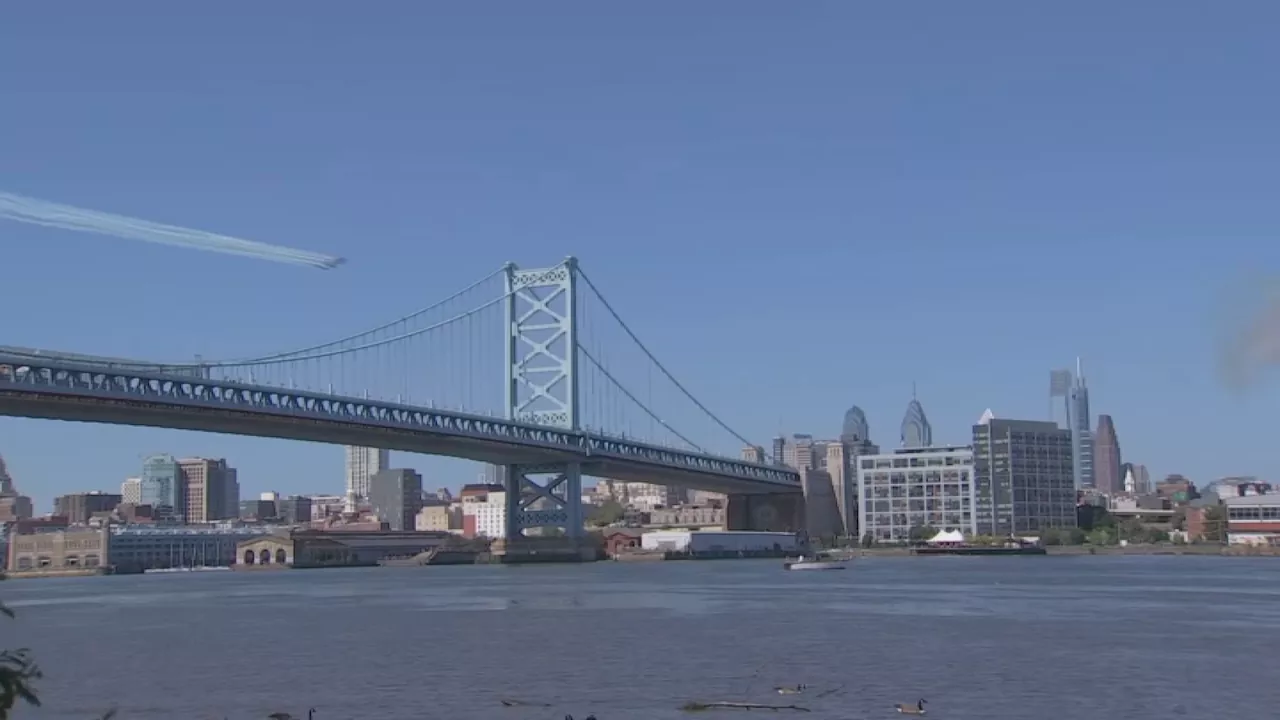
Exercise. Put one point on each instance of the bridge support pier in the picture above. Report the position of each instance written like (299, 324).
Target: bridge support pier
(766, 512)
(542, 498)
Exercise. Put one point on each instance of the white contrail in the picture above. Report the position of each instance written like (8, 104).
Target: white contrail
(49, 214)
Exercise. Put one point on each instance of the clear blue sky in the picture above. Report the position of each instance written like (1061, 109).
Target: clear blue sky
(802, 205)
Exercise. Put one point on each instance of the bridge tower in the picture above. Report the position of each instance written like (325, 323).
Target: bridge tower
(542, 389)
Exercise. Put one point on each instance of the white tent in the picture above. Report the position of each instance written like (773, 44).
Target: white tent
(947, 537)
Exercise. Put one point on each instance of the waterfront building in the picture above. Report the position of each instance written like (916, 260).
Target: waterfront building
(1253, 519)
(1023, 476)
(57, 550)
(916, 488)
(362, 464)
(396, 497)
(79, 507)
(135, 548)
(484, 510)
(317, 548)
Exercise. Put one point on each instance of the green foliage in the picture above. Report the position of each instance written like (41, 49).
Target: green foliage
(1215, 523)
(608, 513)
(923, 532)
(18, 672)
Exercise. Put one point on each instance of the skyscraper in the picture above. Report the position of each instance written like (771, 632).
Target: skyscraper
(1107, 475)
(1081, 435)
(855, 427)
(163, 489)
(362, 464)
(916, 430)
(212, 489)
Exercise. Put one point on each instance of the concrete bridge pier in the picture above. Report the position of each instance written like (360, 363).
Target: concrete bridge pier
(766, 512)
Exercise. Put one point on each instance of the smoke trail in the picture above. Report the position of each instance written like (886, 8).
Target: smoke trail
(1249, 345)
(49, 214)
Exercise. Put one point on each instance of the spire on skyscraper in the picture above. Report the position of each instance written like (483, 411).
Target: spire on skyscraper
(916, 430)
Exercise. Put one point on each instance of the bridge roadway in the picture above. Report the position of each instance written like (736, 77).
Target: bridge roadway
(57, 389)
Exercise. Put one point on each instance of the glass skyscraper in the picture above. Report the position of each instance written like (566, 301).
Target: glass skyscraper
(162, 487)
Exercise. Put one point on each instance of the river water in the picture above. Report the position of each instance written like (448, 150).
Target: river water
(1064, 638)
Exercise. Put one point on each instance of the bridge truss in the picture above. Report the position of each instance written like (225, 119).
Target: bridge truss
(570, 364)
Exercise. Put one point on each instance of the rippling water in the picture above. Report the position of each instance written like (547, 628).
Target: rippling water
(1068, 638)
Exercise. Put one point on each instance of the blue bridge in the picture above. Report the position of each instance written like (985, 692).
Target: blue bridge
(571, 403)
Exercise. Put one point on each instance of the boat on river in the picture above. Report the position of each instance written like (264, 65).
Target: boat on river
(815, 562)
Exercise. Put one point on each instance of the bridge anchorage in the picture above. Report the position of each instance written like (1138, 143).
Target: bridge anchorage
(567, 407)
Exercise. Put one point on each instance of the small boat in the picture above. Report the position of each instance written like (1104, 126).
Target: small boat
(817, 562)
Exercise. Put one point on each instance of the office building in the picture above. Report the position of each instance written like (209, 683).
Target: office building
(294, 510)
(800, 452)
(1023, 476)
(131, 491)
(211, 489)
(162, 487)
(362, 464)
(396, 497)
(842, 463)
(916, 488)
(779, 450)
(916, 432)
(77, 508)
(1108, 475)
(753, 453)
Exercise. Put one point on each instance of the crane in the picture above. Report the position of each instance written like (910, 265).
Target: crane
(56, 215)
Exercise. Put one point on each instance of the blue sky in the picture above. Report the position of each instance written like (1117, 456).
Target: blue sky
(800, 205)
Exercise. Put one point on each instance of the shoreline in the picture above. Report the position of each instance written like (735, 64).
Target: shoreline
(1078, 550)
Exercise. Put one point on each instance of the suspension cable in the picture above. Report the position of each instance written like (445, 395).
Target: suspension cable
(635, 400)
(658, 363)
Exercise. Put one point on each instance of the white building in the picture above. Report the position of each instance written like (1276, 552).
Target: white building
(322, 506)
(484, 511)
(131, 491)
(916, 487)
(362, 464)
(646, 496)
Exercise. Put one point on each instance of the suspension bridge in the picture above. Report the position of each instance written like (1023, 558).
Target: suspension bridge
(580, 395)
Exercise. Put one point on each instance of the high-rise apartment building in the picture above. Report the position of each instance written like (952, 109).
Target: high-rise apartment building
(1108, 477)
(916, 488)
(396, 497)
(161, 486)
(779, 450)
(211, 489)
(362, 464)
(1023, 476)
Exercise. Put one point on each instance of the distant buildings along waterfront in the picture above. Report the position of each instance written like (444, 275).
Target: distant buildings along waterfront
(1023, 476)
(362, 464)
(916, 432)
(915, 488)
(1107, 471)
